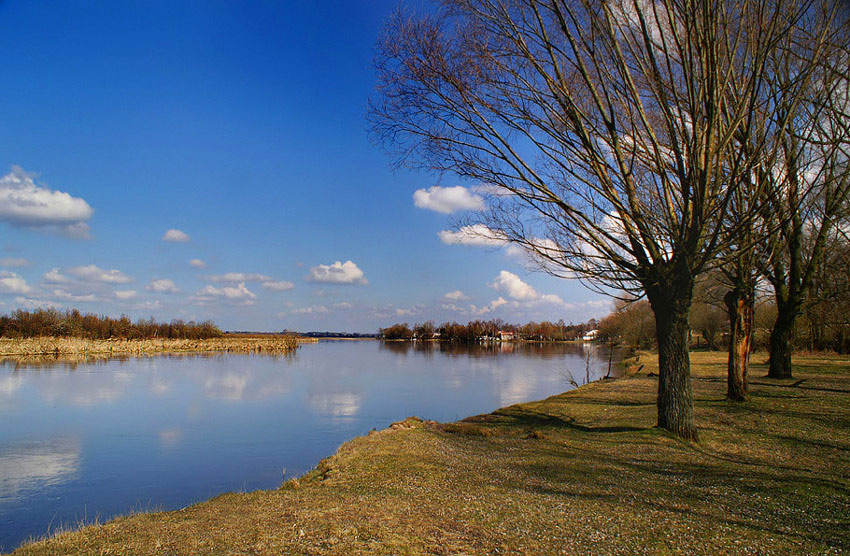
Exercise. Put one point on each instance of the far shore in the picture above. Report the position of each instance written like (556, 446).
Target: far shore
(584, 472)
(61, 347)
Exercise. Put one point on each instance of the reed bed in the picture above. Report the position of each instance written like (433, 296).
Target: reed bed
(74, 347)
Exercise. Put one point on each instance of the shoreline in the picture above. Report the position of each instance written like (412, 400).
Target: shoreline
(43, 347)
(581, 472)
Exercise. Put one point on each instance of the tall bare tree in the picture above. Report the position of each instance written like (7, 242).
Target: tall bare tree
(812, 175)
(604, 128)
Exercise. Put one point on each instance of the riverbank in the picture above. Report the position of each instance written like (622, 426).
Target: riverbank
(579, 473)
(26, 348)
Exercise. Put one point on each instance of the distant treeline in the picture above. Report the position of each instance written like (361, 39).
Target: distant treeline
(72, 323)
(481, 330)
(317, 334)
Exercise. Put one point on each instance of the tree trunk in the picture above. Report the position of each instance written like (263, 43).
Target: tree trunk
(780, 339)
(740, 307)
(675, 397)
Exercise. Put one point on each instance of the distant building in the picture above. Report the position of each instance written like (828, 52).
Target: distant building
(590, 336)
(506, 336)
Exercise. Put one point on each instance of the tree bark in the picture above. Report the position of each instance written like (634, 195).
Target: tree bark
(739, 304)
(780, 339)
(671, 306)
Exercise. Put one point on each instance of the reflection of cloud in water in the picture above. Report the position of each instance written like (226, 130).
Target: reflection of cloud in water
(230, 386)
(85, 389)
(9, 384)
(161, 387)
(247, 383)
(516, 388)
(36, 465)
(169, 438)
(337, 404)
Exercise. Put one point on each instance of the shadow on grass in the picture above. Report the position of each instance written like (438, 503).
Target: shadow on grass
(523, 418)
(718, 493)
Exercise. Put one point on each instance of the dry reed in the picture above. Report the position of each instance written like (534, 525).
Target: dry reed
(62, 347)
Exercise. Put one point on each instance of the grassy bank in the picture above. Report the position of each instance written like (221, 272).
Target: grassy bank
(580, 473)
(24, 348)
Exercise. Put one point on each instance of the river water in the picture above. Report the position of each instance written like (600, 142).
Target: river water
(85, 441)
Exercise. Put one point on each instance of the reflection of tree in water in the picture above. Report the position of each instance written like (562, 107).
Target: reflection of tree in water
(542, 350)
(70, 362)
(598, 362)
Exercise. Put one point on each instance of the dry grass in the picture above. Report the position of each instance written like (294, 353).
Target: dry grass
(580, 473)
(39, 348)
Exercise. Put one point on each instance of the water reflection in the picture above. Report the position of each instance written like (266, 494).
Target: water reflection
(104, 436)
(36, 465)
(335, 404)
(544, 350)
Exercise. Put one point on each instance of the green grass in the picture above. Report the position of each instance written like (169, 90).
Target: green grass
(584, 472)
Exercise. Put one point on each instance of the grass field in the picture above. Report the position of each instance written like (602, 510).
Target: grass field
(584, 472)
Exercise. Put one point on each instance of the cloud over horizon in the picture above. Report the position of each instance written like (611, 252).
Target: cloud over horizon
(238, 295)
(23, 202)
(14, 284)
(94, 273)
(337, 273)
(162, 285)
(514, 287)
(456, 295)
(267, 282)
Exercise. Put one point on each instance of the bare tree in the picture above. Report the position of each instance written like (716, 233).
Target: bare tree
(604, 129)
(812, 175)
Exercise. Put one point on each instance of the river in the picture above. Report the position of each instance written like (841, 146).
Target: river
(86, 441)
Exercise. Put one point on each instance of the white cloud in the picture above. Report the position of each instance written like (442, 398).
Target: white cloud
(125, 294)
(162, 285)
(53, 276)
(521, 292)
(478, 235)
(276, 286)
(80, 230)
(337, 273)
(236, 277)
(456, 295)
(545, 247)
(267, 282)
(405, 312)
(447, 199)
(238, 294)
(514, 287)
(94, 273)
(197, 263)
(13, 263)
(12, 283)
(23, 202)
(496, 303)
(551, 298)
(63, 295)
(175, 236)
(314, 310)
(342, 305)
(492, 306)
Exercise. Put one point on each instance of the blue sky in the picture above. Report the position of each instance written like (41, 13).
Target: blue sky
(209, 160)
